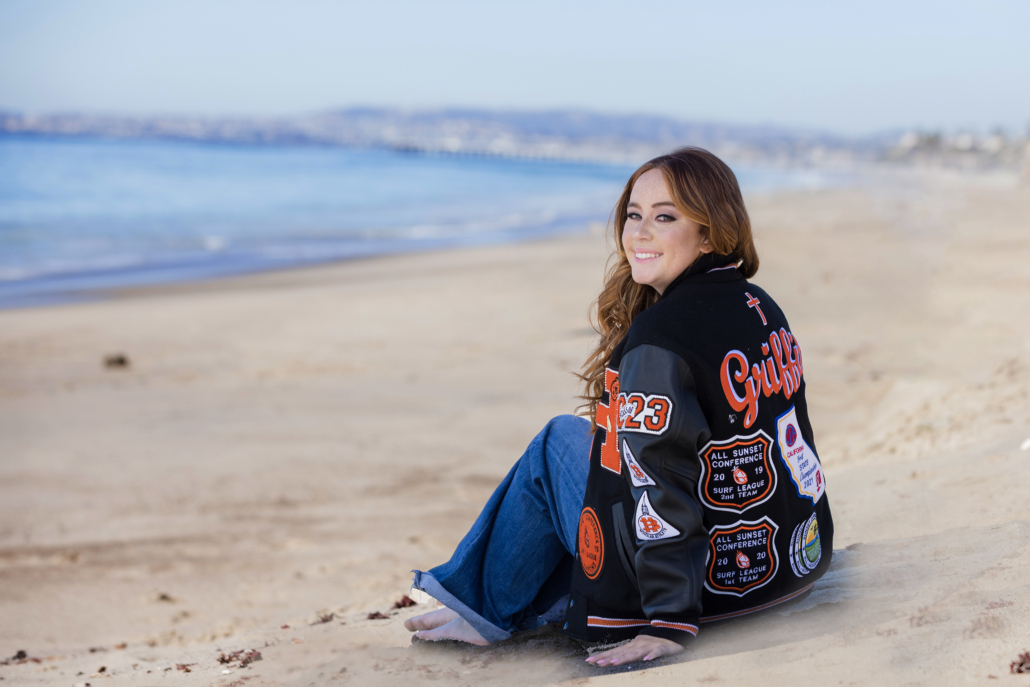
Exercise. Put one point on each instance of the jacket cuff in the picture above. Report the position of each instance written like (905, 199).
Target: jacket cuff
(680, 632)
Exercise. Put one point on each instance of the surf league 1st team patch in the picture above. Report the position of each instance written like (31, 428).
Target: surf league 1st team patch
(741, 557)
(737, 473)
(803, 466)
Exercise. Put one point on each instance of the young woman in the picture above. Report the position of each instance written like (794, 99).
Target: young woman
(701, 496)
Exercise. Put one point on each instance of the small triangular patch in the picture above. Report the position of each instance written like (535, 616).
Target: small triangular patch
(650, 526)
(636, 473)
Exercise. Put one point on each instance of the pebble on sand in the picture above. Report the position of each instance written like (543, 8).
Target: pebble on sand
(116, 361)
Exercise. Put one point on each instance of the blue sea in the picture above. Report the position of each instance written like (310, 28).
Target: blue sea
(78, 215)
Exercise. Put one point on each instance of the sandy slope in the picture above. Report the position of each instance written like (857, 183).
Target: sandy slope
(291, 444)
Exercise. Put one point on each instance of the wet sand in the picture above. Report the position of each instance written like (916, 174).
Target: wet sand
(287, 446)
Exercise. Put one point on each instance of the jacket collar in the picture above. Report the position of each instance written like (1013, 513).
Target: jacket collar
(709, 268)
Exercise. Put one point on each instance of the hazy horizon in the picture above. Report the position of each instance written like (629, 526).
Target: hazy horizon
(840, 69)
(455, 110)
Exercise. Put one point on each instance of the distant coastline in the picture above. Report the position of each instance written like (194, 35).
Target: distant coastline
(569, 135)
(169, 199)
(80, 214)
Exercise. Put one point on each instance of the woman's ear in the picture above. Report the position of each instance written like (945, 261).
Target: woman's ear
(706, 245)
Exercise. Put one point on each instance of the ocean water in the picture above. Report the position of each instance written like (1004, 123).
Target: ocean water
(80, 215)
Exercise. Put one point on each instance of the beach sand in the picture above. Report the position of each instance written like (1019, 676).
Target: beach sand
(283, 448)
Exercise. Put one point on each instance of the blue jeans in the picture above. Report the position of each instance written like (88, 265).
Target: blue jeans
(512, 571)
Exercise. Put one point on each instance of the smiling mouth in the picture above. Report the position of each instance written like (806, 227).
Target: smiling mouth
(646, 256)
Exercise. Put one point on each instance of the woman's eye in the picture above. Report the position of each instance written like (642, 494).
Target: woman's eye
(666, 218)
(633, 216)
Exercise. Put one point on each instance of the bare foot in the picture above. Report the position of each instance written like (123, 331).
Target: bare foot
(457, 629)
(431, 620)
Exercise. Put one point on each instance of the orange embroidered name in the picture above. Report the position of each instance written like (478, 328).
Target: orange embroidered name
(780, 371)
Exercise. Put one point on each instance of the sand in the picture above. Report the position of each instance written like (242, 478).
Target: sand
(283, 448)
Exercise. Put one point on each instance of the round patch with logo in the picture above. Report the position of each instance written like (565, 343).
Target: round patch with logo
(741, 557)
(806, 549)
(737, 473)
(591, 544)
(792, 435)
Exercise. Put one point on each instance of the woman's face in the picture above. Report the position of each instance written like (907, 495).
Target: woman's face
(659, 240)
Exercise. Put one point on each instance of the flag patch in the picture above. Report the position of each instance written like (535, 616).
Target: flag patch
(803, 466)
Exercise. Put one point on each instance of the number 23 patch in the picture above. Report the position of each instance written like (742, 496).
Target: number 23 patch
(647, 414)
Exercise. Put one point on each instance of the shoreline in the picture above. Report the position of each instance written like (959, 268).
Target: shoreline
(97, 284)
(261, 208)
(287, 445)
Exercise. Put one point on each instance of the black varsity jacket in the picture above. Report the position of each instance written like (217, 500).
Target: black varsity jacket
(705, 498)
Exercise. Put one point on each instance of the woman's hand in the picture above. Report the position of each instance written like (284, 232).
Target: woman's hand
(642, 647)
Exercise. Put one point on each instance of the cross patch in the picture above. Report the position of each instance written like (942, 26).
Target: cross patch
(753, 302)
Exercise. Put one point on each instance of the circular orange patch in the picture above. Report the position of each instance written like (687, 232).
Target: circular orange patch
(591, 544)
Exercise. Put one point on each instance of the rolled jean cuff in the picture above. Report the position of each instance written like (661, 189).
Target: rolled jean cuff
(427, 583)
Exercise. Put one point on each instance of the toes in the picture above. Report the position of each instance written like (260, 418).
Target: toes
(426, 621)
(456, 629)
(429, 635)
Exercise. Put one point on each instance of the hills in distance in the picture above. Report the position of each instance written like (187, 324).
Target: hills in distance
(552, 134)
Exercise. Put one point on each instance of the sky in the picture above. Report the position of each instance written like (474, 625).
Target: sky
(853, 68)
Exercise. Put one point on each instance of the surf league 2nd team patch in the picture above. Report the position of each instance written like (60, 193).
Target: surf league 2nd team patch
(737, 473)
(741, 557)
(803, 466)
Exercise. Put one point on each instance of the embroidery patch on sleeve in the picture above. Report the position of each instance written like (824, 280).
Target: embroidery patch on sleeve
(741, 557)
(737, 473)
(647, 414)
(803, 466)
(650, 526)
(806, 550)
(591, 544)
(636, 473)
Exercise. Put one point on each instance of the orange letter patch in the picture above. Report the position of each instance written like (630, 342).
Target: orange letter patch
(608, 418)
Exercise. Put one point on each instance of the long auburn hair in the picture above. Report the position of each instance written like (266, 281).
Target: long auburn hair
(704, 189)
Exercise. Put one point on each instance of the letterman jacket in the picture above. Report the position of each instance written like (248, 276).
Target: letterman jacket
(705, 498)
